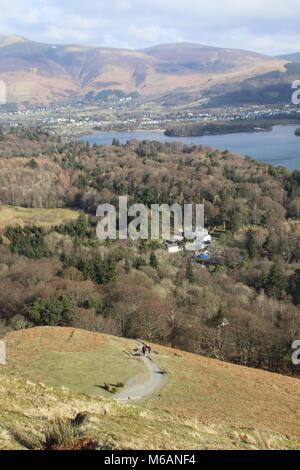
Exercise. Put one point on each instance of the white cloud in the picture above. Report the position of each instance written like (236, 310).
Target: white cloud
(271, 26)
(154, 34)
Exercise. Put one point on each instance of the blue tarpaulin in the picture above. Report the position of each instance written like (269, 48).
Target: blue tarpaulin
(202, 257)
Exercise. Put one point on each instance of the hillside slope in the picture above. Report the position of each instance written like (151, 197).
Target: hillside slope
(43, 73)
(11, 215)
(294, 57)
(203, 404)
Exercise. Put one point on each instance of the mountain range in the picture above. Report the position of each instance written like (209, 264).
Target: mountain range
(40, 73)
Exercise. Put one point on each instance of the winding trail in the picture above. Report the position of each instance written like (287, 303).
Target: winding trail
(137, 391)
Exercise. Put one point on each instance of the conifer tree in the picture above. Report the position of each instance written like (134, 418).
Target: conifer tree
(153, 260)
(190, 272)
(275, 283)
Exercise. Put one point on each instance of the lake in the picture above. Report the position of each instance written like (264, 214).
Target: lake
(279, 147)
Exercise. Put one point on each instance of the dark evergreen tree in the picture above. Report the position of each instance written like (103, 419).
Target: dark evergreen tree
(139, 262)
(294, 282)
(269, 245)
(49, 312)
(153, 260)
(190, 275)
(252, 245)
(110, 271)
(236, 223)
(275, 283)
(27, 241)
(127, 266)
(116, 142)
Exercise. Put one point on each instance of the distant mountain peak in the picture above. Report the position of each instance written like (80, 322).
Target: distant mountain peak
(43, 73)
(8, 40)
(293, 57)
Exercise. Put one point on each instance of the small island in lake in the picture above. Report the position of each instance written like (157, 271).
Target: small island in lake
(297, 132)
(199, 129)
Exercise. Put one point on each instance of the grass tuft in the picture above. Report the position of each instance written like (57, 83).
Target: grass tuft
(64, 434)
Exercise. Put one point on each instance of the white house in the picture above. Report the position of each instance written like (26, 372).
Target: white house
(174, 248)
(207, 240)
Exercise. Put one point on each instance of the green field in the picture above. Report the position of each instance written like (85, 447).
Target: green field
(10, 215)
(76, 359)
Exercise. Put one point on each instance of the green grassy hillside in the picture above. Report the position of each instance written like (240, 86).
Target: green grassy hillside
(53, 374)
(10, 215)
(77, 359)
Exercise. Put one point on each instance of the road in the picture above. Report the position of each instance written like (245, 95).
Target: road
(138, 391)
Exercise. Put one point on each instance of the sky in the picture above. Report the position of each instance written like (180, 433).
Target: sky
(266, 26)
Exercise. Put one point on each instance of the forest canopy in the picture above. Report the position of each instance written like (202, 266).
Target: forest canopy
(241, 306)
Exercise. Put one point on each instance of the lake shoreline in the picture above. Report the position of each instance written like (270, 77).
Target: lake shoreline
(217, 128)
(279, 147)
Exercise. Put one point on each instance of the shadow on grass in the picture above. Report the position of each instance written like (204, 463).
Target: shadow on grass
(111, 388)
